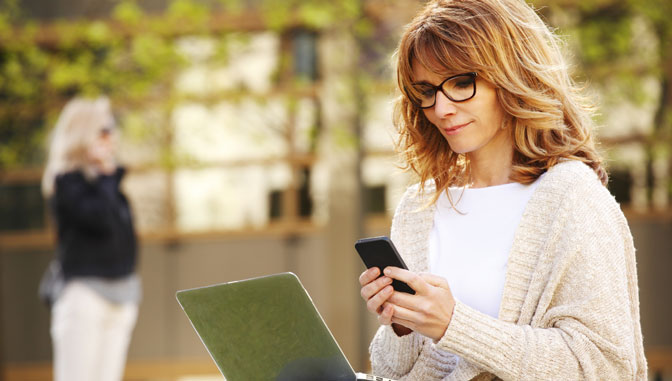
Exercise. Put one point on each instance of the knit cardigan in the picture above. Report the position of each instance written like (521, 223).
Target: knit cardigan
(570, 305)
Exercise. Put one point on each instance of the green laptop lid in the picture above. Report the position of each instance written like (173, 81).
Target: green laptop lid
(265, 328)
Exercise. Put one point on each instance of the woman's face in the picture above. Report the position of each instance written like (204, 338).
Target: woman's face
(471, 127)
(104, 147)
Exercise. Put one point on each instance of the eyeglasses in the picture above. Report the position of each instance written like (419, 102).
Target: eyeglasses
(107, 130)
(458, 88)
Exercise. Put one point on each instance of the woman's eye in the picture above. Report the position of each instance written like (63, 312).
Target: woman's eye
(464, 83)
(426, 92)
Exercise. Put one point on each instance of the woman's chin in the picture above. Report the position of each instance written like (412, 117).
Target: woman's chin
(459, 148)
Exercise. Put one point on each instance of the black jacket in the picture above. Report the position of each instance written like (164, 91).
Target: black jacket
(95, 227)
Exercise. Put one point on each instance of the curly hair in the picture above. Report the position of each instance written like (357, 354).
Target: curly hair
(509, 46)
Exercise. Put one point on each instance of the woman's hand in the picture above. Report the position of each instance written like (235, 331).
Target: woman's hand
(375, 291)
(101, 153)
(428, 312)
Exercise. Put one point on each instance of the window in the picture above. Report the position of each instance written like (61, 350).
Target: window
(304, 53)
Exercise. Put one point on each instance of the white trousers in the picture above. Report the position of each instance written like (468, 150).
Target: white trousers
(90, 335)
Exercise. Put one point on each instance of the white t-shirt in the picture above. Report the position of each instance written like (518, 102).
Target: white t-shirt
(471, 249)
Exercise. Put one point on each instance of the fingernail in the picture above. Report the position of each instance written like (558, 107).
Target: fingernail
(387, 271)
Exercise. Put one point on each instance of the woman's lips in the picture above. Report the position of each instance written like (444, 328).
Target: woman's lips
(454, 129)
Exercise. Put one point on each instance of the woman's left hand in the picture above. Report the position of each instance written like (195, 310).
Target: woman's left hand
(429, 311)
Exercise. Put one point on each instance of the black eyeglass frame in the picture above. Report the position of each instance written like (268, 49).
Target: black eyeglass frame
(473, 76)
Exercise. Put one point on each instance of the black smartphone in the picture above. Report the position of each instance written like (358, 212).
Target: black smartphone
(380, 252)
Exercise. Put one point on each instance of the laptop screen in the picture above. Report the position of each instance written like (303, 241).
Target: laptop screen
(265, 329)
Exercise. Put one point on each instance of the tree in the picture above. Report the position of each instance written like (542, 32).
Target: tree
(624, 47)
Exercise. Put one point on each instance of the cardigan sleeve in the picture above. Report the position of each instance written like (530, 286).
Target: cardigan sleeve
(413, 356)
(409, 357)
(391, 355)
(586, 321)
(394, 356)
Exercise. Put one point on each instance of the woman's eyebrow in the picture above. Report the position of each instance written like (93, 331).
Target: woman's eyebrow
(425, 83)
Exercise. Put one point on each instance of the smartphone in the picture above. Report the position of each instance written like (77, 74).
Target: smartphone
(380, 252)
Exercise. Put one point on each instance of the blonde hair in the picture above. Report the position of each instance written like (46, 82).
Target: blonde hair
(76, 129)
(509, 46)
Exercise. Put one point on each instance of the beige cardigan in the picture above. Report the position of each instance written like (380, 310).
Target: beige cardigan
(570, 306)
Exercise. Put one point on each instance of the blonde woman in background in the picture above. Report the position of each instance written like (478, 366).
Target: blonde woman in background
(95, 309)
(522, 262)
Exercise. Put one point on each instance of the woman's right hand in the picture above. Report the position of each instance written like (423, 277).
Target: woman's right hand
(375, 292)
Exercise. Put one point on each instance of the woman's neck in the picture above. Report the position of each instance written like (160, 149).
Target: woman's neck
(490, 170)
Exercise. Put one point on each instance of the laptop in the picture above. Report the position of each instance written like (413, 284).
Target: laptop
(266, 328)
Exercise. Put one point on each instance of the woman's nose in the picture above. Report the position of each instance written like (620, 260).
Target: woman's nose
(443, 106)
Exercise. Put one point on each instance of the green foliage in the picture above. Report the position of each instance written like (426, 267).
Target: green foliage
(658, 13)
(315, 14)
(615, 45)
(187, 12)
(624, 45)
(5, 26)
(232, 6)
(605, 39)
(277, 14)
(128, 12)
(90, 59)
(70, 74)
(11, 8)
(21, 72)
(135, 128)
(97, 34)
(130, 57)
(363, 28)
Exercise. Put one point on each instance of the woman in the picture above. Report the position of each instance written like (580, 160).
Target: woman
(522, 262)
(94, 313)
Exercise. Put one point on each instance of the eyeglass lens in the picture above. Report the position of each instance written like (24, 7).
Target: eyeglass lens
(458, 89)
